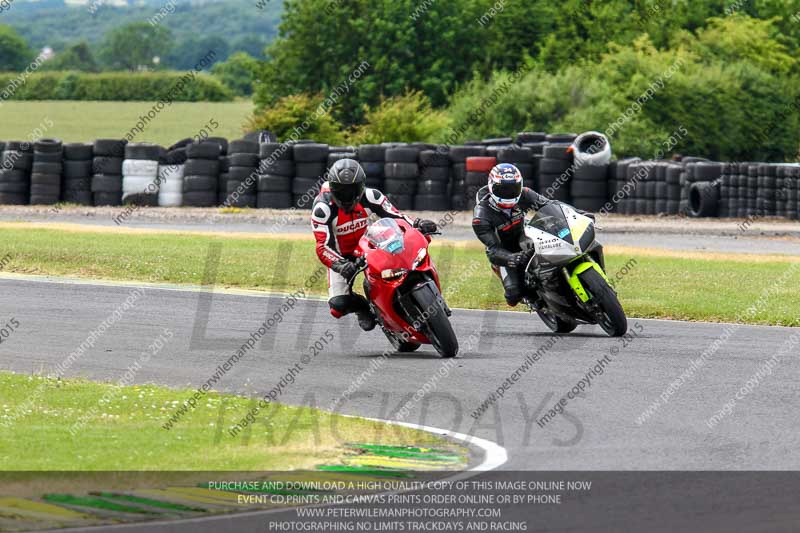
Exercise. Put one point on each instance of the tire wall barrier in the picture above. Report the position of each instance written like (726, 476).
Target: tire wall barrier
(257, 172)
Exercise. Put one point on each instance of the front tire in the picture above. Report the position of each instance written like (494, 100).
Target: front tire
(439, 330)
(610, 315)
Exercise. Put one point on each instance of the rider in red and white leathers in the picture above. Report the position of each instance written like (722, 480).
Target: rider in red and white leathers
(339, 218)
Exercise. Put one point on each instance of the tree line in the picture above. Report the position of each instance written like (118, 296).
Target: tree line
(586, 62)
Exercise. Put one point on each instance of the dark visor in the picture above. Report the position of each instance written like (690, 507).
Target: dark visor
(507, 190)
(347, 193)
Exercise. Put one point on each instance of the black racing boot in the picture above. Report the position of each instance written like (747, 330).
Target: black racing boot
(366, 320)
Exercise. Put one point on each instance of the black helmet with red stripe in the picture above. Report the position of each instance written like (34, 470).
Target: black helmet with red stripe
(347, 181)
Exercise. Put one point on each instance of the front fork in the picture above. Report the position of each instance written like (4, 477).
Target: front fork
(574, 280)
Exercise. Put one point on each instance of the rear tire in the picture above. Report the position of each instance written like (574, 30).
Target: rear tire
(612, 319)
(556, 324)
(439, 330)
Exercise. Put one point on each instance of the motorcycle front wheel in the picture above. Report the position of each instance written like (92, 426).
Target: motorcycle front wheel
(610, 315)
(439, 329)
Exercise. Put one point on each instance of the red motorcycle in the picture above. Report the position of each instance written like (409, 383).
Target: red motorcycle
(402, 286)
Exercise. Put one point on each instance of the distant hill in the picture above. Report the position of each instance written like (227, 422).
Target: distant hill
(239, 23)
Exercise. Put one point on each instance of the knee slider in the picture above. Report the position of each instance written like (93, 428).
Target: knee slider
(340, 306)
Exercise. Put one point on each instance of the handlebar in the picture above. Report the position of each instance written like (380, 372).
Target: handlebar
(361, 263)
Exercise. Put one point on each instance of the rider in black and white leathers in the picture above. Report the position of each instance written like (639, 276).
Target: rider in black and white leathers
(501, 230)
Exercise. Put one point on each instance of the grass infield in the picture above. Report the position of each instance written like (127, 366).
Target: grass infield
(49, 424)
(651, 284)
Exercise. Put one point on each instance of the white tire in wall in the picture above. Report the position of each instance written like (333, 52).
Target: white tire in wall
(139, 167)
(170, 199)
(139, 185)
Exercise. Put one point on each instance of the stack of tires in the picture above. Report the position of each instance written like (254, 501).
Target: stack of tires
(107, 171)
(242, 164)
(615, 185)
(77, 173)
(728, 202)
(201, 174)
(703, 188)
(478, 169)
(522, 158)
(640, 174)
(751, 189)
(15, 173)
(170, 178)
(337, 153)
(535, 142)
(620, 190)
(276, 171)
(493, 146)
(530, 139)
(402, 172)
(650, 187)
(433, 188)
(373, 158)
(739, 190)
(766, 202)
(790, 186)
(461, 193)
(780, 191)
(672, 178)
(555, 172)
(140, 174)
(46, 172)
(311, 165)
(589, 187)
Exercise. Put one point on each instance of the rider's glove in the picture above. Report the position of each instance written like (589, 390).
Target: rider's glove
(517, 260)
(425, 226)
(346, 268)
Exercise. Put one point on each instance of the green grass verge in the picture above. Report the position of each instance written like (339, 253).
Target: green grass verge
(86, 121)
(653, 287)
(77, 425)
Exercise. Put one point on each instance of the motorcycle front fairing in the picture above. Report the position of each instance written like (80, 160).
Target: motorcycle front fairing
(396, 255)
(564, 240)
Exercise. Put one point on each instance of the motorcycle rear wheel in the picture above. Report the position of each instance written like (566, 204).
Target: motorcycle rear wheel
(556, 324)
(611, 316)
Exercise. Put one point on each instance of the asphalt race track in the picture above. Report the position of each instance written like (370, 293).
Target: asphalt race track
(598, 431)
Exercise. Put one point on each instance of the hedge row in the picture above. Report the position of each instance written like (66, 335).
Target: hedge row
(113, 86)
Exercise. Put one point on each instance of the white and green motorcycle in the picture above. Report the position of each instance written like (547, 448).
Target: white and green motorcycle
(566, 269)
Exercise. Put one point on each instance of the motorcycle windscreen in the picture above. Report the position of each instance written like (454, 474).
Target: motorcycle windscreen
(551, 219)
(385, 234)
